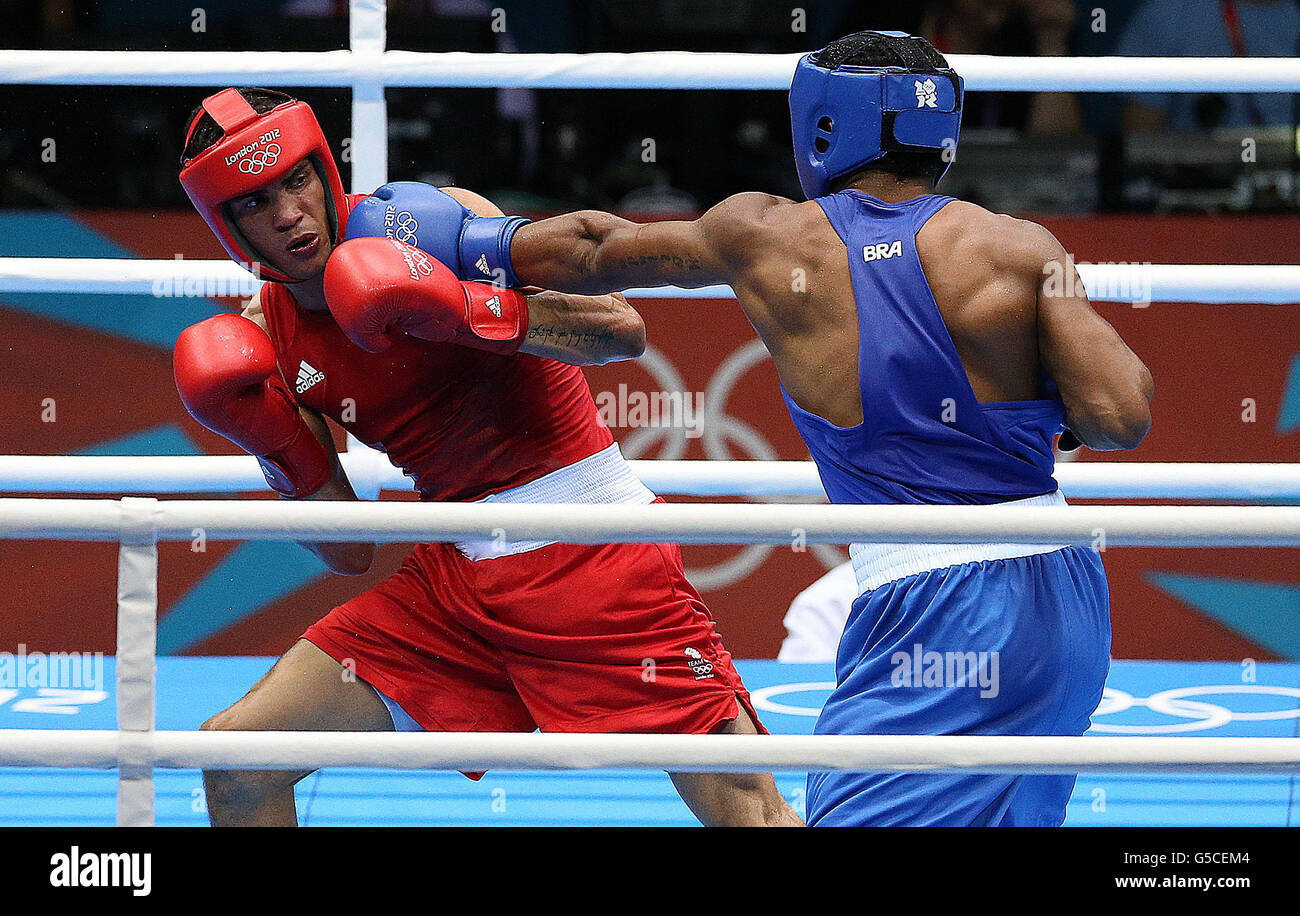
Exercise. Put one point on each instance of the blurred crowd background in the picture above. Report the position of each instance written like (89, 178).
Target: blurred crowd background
(534, 151)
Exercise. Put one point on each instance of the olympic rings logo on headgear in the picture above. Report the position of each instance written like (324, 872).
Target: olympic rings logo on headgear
(260, 160)
(406, 227)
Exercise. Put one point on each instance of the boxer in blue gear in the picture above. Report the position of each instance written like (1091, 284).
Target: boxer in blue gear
(929, 351)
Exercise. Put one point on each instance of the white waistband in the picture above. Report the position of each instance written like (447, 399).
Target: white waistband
(878, 564)
(603, 478)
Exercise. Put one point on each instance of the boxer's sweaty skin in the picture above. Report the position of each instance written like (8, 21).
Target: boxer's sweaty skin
(1005, 287)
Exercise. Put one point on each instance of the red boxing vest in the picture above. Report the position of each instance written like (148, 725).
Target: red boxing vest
(461, 423)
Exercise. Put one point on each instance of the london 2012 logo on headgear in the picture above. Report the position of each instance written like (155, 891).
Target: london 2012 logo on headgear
(259, 160)
(927, 94)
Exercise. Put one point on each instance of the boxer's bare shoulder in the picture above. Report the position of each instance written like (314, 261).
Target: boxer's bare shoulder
(475, 203)
(752, 226)
(985, 270)
(253, 311)
(978, 240)
(782, 256)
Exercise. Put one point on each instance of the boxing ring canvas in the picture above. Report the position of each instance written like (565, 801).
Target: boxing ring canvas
(1196, 699)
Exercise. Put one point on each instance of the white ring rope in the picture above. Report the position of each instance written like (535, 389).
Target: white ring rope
(638, 70)
(707, 523)
(683, 753)
(1138, 283)
(367, 69)
(371, 470)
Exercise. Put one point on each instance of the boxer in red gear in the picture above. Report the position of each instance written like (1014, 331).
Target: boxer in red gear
(492, 636)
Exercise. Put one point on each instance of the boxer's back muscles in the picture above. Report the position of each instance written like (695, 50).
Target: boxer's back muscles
(1005, 288)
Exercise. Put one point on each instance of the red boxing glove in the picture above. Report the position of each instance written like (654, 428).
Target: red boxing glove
(379, 287)
(228, 379)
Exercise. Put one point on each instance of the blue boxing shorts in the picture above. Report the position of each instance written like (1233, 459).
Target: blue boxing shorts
(1015, 646)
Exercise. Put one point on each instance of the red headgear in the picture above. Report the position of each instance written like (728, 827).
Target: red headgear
(256, 149)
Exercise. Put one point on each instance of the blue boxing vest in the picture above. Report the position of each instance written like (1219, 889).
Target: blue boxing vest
(924, 438)
(1041, 611)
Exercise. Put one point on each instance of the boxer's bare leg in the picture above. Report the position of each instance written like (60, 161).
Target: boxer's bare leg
(735, 799)
(305, 691)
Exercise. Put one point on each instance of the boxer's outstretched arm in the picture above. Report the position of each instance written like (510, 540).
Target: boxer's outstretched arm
(592, 252)
(574, 329)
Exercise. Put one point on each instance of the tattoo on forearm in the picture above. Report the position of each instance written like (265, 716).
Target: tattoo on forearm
(651, 260)
(567, 338)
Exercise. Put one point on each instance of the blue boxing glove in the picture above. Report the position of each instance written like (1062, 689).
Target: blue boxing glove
(475, 247)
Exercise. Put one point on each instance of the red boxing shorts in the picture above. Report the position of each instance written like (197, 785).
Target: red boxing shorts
(566, 638)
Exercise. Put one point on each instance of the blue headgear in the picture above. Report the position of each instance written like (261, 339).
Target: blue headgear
(848, 116)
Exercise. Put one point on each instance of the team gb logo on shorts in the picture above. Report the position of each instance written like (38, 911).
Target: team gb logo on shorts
(927, 94)
(701, 668)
